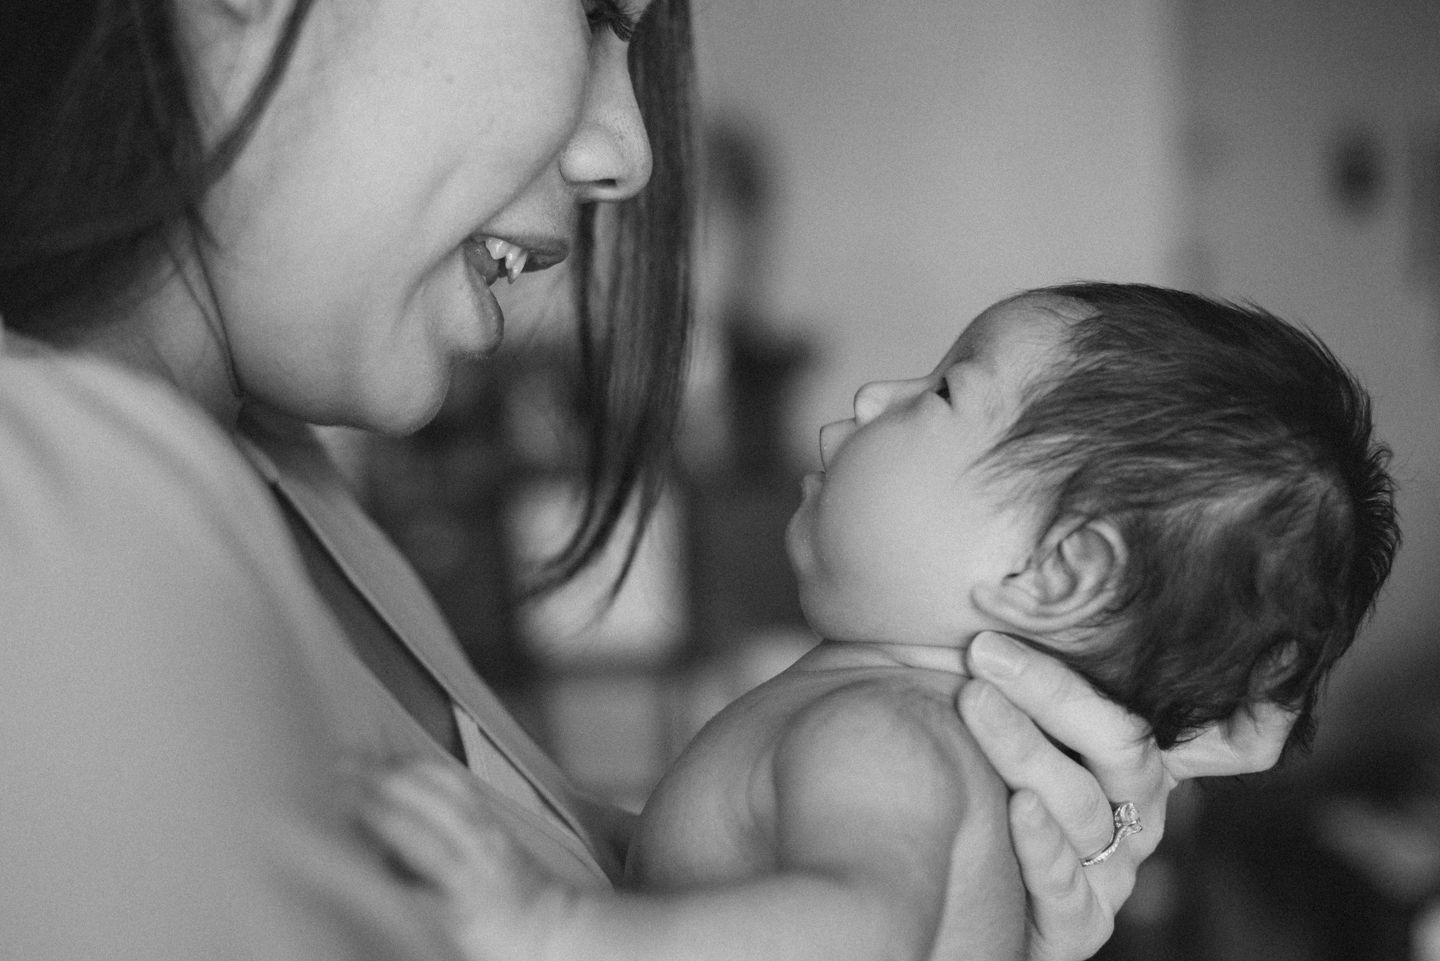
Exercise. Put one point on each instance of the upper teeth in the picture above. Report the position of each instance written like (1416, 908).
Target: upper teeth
(512, 255)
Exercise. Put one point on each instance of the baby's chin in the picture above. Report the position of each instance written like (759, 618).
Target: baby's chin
(812, 604)
(797, 543)
(829, 618)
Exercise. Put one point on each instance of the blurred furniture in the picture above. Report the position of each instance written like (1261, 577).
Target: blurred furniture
(490, 488)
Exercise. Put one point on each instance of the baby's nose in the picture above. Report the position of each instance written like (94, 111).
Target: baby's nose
(878, 396)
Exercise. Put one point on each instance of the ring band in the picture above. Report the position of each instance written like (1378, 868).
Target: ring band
(1127, 822)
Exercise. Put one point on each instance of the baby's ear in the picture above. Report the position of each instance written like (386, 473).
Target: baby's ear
(1070, 577)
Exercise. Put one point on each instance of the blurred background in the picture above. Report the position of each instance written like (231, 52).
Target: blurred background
(877, 173)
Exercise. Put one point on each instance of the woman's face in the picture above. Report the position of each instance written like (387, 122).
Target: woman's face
(351, 262)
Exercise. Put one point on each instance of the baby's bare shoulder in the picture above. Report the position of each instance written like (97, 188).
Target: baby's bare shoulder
(888, 730)
(879, 782)
(888, 712)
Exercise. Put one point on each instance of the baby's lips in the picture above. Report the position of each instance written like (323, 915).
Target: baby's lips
(831, 437)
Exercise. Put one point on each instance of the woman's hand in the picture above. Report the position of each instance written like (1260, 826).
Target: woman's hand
(1060, 811)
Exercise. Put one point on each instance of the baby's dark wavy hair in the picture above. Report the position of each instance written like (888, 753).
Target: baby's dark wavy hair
(1236, 456)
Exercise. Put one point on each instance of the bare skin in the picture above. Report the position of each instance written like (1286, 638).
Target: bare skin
(814, 818)
(505, 907)
(853, 765)
(842, 810)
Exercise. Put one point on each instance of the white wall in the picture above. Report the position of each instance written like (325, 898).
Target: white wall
(936, 155)
(1275, 81)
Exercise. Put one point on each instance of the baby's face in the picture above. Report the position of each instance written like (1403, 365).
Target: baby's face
(904, 519)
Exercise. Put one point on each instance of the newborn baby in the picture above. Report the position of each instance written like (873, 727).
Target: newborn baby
(1180, 497)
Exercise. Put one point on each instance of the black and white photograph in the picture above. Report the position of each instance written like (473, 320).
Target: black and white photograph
(719, 480)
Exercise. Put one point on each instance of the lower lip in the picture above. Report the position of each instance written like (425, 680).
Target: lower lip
(491, 320)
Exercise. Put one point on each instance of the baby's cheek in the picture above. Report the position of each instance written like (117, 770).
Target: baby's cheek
(848, 567)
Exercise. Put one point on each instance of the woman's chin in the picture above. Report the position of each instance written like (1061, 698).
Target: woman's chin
(396, 405)
(398, 419)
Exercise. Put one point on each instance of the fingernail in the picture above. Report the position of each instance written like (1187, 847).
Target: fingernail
(996, 655)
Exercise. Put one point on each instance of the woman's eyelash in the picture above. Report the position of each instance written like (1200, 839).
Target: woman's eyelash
(613, 16)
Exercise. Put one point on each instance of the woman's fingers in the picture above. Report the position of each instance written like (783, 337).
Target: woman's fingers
(1068, 920)
(1026, 760)
(1250, 741)
(1060, 701)
(1115, 746)
(1061, 811)
(1059, 814)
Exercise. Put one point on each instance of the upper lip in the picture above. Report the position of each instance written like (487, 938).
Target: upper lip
(832, 436)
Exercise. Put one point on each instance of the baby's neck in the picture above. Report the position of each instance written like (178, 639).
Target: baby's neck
(832, 655)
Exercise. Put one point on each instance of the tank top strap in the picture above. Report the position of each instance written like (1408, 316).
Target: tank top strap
(292, 459)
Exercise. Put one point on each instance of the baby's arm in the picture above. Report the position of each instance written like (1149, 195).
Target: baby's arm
(869, 789)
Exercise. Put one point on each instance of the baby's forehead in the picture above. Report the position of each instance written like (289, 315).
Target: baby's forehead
(1027, 329)
(1066, 308)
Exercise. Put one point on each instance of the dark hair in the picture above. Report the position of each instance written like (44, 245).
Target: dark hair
(102, 149)
(633, 299)
(101, 157)
(1236, 456)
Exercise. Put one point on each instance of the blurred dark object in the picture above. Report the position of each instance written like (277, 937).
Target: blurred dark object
(1281, 881)
(742, 487)
(1357, 171)
(744, 361)
(762, 371)
(441, 496)
(1333, 861)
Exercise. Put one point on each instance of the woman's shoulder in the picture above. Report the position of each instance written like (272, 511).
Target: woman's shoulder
(156, 696)
(59, 408)
(83, 436)
(112, 479)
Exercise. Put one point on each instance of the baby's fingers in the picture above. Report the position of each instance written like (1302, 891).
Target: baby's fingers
(412, 841)
(436, 821)
(447, 803)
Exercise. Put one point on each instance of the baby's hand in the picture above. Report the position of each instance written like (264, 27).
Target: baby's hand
(432, 819)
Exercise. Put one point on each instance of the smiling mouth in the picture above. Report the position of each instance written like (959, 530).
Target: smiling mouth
(494, 257)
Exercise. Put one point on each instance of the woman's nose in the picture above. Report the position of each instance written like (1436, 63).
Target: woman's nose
(608, 156)
(878, 396)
